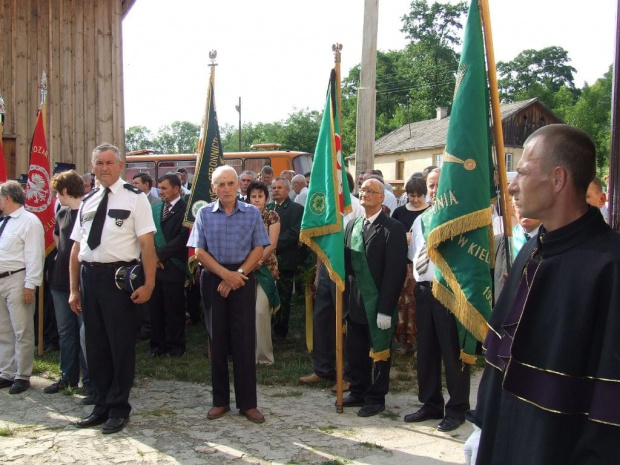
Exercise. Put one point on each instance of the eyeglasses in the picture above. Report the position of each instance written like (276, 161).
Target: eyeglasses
(368, 192)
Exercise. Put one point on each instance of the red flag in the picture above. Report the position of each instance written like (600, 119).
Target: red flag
(3, 175)
(38, 191)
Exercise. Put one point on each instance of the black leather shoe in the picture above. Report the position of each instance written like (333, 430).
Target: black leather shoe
(370, 410)
(449, 424)
(351, 401)
(19, 386)
(4, 383)
(58, 386)
(88, 400)
(90, 420)
(114, 425)
(422, 415)
(176, 353)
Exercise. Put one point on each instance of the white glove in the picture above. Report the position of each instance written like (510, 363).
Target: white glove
(471, 446)
(384, 321)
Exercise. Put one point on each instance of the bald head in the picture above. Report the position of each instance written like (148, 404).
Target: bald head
(568, 147)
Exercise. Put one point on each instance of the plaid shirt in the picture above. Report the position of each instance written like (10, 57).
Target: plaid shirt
(228, 238)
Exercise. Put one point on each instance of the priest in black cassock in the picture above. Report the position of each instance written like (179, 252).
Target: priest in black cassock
(550, 392)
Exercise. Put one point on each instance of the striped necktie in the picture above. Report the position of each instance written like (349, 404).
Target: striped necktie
(421, 264)
(166, 212)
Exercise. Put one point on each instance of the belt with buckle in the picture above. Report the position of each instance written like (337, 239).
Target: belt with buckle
(113, 265)
(9, 273)
(428, 284)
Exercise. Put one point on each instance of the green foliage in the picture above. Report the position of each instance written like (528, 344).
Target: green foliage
(413, 82)
(178, 137)
(299, 131)
(592, 113)
(535, 73)
(138, 137)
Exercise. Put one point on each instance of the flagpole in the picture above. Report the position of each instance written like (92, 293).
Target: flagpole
(497, 123)
(3, 169)
(43, 110)
(336, 49)
(614, 159)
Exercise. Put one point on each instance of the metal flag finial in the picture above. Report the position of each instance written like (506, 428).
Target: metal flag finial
(337, 48)
(213, 56)
(43, 89)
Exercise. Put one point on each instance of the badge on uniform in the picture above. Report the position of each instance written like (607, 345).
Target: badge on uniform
(119, 216)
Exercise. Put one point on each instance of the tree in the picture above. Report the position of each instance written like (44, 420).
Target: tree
(411, 83)
(436, 25)
(592, 113)
(137, 138)
(178, 137)
(535, 73)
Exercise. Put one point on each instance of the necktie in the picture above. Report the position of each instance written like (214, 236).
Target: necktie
(365, 227)
(94, 237)
(6, 220)
(166, 212)
(421, 264)
(527, 236)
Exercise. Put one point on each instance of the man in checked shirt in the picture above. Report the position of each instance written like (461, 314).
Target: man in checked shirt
(229, 237)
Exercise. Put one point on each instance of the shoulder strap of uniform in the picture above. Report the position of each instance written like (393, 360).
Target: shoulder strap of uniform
(91, 193)
(131, 188)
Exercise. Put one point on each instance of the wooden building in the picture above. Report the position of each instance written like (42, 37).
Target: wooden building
(79, 45)
(415, 146)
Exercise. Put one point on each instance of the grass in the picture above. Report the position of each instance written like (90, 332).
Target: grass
(329, 429)
(292, 361)
(371, 445)
(6, 432)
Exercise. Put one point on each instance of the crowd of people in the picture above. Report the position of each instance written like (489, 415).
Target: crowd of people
(552, 370)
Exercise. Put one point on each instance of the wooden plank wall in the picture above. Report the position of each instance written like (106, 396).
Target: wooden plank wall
(79, 45)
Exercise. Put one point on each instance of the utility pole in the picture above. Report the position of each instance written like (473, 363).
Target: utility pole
(367, 94)
(238, 108)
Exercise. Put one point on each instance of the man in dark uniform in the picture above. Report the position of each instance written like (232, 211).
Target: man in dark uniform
(288, 251)
(229, 236)
(167, 305)
(549, 392)
(114, 226)
(376, 267)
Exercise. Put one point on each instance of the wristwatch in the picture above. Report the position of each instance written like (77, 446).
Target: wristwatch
(240, 270)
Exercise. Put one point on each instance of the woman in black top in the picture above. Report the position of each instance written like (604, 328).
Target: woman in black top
(405, 333)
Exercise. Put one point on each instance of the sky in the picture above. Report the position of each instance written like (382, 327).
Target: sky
(276, 54)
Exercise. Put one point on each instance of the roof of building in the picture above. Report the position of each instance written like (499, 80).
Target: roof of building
(430, 133)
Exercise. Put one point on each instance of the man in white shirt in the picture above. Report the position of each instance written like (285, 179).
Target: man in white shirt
(300, 188)
(437, 335)
(22, 248)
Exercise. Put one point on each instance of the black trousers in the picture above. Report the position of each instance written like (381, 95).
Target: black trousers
(233, 324)
(285, 289)
(437, 340)
(167, 311)
(369, 380)
(324, 331)
(110, 325)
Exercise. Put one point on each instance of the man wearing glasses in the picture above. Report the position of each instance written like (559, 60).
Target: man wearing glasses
(376, 266)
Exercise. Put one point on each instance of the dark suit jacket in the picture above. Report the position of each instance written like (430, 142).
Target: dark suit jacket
(287, 251)
(176, 236)
(386, 253)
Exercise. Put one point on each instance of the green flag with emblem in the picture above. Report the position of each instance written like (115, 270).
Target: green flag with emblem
(328, 196)
(461, 233)
(210, 156)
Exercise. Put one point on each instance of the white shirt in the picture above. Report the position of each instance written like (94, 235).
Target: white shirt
(119, 238)
(357, 211)
(301, 197)
(390, 201)
(22, 245)
(417, 241)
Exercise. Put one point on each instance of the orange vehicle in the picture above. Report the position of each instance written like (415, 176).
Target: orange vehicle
(259, 155)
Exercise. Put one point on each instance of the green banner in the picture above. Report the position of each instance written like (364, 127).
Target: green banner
(210, 156)
(328, 194)
(461, 232)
